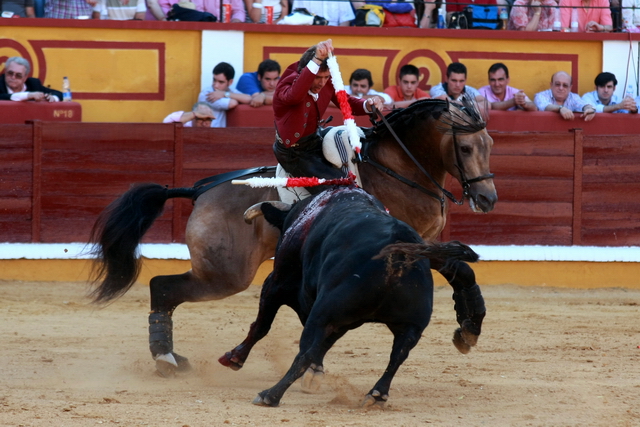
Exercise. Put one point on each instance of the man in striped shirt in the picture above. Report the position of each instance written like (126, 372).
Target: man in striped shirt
(561, 100)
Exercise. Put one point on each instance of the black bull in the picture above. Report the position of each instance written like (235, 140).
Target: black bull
(343, 261)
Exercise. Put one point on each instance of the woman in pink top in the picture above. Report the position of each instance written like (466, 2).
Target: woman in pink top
(593, 15)
(532, 15)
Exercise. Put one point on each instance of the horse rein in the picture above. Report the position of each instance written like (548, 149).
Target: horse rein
(466, 184)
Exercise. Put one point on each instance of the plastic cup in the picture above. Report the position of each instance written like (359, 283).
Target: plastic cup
(269, 12)
(226, 13)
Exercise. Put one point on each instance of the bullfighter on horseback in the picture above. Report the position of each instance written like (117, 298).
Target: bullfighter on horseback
(300, 100)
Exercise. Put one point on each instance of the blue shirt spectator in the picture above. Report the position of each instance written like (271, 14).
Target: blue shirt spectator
(604, 98)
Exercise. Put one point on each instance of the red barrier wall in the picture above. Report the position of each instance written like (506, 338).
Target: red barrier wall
(558, 188)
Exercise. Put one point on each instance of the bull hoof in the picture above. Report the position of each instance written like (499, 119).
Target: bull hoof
(263, 400)
(312, 379)
(230, 361)
(460, 342)
(374, 398)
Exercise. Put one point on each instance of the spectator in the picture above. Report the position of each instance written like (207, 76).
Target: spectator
(501, 95)
(456, 85)
(256, 12)
(360, 86)
(220, 96)
(301, 99)
(337, 12)
(159, 8)
(532, 15)
(120, 10)
(560, 99)
(631, 13)
(428, 14)
(604, 98)
(407, 90)
(260, 84)
(21, 8)
(201, 116)
(594, 16)
(15, 85)
(69, 9)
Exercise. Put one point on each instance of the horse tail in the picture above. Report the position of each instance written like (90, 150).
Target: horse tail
(444, 252)
(118, 231)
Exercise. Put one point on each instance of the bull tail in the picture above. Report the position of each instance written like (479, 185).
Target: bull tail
(442, 252)
(118, 231)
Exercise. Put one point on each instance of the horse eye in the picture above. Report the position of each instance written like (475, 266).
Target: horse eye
(465, 150)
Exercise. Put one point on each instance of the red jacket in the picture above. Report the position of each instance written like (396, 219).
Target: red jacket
(295, 111)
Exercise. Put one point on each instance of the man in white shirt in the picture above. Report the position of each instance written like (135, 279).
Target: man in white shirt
(604, 98)
(220, 96)
(360, 86)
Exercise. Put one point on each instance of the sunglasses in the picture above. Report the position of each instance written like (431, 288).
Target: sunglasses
(14, 74)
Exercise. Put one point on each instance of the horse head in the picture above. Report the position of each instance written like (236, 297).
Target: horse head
(466, 147)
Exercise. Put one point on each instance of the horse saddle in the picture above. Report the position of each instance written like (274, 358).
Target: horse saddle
(337, 150)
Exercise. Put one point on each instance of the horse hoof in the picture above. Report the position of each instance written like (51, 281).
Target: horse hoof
(460, 342)
(183, 363)
(312, 379)
(263, 400)
(374, 398)
(166, 365)
(230, 362)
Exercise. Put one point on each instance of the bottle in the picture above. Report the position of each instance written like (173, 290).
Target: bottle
(504, 18)
(66, 90)
(557, 21)
(630, 91)
(441, 19)
(574, 20)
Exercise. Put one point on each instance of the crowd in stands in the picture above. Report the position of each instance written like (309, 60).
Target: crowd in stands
(521, 15)
(257, 89)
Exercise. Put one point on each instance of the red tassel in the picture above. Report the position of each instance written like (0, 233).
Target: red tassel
(345, 108)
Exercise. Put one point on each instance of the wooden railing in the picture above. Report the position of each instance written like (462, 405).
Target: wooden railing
(554, 188)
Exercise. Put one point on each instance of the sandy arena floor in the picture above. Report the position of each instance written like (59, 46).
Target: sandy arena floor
(547, 357)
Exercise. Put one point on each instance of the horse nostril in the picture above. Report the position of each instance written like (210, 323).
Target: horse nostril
(486, 203)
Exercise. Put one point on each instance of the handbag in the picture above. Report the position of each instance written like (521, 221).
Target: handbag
(484, 17)
(460, 20)
(369, 15)
(179, 13)
(400, 19)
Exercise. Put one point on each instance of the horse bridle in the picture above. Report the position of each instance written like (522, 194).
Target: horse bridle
(466, 183)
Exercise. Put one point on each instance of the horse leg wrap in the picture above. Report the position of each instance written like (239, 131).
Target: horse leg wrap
(160, 333)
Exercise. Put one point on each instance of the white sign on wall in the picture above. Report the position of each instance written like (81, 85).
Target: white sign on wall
(621, 59)
(221, 46)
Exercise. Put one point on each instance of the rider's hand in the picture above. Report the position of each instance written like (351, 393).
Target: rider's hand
(323, 49)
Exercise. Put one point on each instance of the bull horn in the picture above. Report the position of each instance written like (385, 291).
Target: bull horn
(255, 211)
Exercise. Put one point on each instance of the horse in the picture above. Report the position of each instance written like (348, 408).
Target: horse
(405, 158)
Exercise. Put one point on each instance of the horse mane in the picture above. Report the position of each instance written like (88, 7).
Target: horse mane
(462, 118)
(455, 117)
